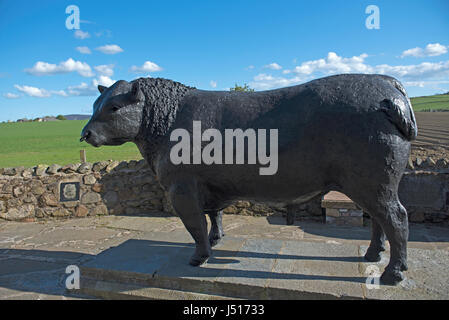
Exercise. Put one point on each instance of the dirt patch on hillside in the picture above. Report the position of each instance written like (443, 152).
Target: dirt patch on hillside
(433, 136)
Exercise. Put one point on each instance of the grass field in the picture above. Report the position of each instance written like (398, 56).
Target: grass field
(32, 143)
(437, 102)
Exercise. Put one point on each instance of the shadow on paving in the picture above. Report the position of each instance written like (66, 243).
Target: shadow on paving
(43, 272)
(36, 271)
(166, 258)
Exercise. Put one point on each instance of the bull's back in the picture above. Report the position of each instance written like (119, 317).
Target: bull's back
(325, 127)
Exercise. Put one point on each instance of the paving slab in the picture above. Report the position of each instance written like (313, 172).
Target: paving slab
(327, 268)
(260, 268)
(137, 257)
(427, 277)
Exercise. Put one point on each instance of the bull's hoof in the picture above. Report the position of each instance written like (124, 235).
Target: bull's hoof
(373, 255)
(391, 277)
(404, 266)
(195, 261)
(214, 239)
(199, 259)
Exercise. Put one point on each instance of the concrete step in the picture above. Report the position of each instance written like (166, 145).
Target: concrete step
(121, 257)
(240, 269)
(126, 286)
(123, 291)
(154, 265)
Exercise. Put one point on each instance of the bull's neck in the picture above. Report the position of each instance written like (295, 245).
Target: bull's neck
(151, 147)
(158, 117)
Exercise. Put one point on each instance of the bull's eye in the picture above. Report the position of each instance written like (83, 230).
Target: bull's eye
(115, 108)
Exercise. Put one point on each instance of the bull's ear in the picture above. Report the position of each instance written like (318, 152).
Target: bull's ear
(136, 92)
(101, 88)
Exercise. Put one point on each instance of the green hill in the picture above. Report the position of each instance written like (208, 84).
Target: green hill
(32, 143)
(438, 102)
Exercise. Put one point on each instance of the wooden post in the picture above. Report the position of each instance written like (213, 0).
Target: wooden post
(83, 155)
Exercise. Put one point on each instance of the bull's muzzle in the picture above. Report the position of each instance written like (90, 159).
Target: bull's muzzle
(85, 135)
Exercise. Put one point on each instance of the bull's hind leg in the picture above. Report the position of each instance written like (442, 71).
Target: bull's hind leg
(372, 180)
(395, 225)
(377, 244)
(184, 197)
(391, 216)
(216, 229)
(378, 196)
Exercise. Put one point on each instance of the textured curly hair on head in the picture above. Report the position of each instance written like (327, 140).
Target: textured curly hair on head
(162, 97)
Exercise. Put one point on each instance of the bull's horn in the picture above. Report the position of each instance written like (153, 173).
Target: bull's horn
(101, 88)
(136, 92)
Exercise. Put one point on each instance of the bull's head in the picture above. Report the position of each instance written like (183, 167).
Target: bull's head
(117, 115)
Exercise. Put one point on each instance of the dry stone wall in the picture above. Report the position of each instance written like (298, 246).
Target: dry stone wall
(130, 188)
(108, 187)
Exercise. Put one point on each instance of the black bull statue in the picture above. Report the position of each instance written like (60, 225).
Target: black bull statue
(350, 133)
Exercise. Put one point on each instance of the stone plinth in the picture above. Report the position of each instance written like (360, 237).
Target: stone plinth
(341, 210)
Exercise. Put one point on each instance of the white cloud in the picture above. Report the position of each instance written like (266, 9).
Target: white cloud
(79, 34)
(420, 84)
(334, 64)
(265, 81)
(104, 81)
(431, 50)
(250, 67)
(39, 92)
(43, 68)
(105, 69)
(84, 50)
(10, 95)
(91, 89)
(110, 49)
(425, 70)
(273, 66)
(415, 52)
(33, 91)
(213, 83)
(107, 33)
(61, 93)
(435, 49)
(148, 66)
(83, 89)
(436, 86)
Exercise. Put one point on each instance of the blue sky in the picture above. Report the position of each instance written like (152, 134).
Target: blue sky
(46, 69)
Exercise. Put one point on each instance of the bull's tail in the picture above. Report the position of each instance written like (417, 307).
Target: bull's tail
(400, 112)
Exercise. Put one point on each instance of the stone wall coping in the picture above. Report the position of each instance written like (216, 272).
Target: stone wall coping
(337, 200)
(79, 168)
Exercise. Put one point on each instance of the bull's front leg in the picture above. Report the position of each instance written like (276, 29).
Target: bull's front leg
(185, 201)
(216, 228)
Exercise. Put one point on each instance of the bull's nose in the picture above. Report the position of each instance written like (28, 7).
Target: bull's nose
(85, 135)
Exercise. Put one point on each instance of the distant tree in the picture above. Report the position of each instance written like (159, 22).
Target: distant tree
(61, 117)
(244, 88)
